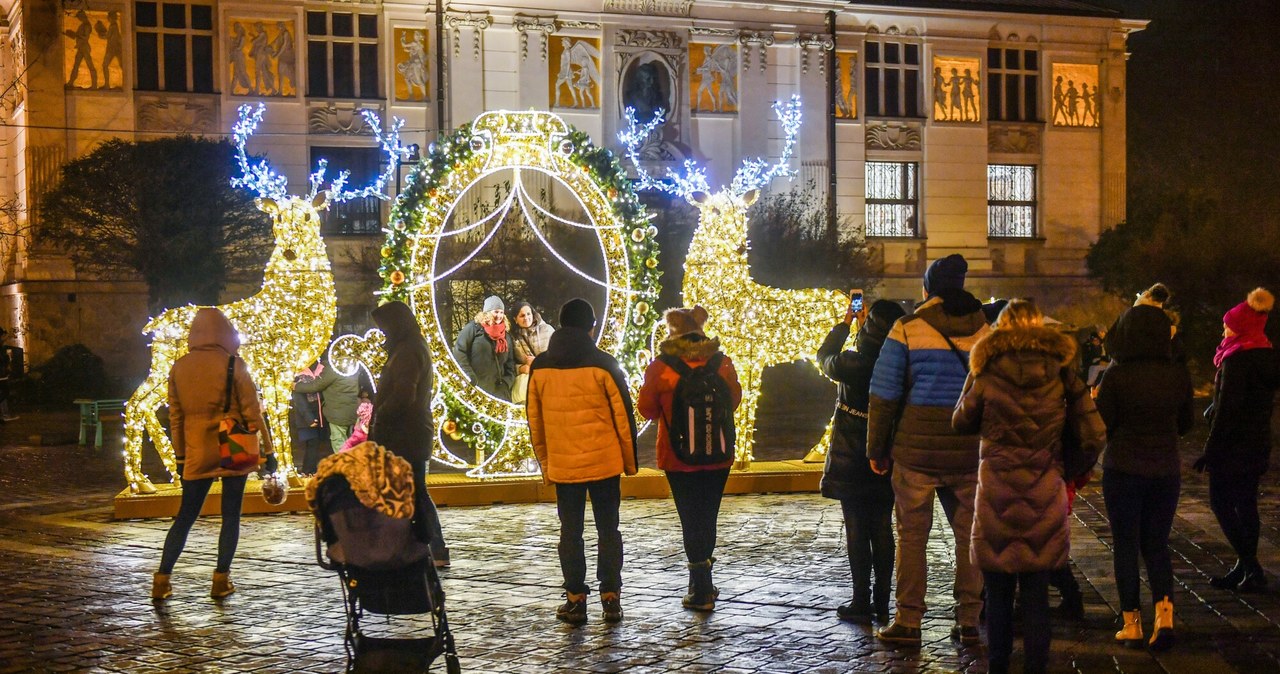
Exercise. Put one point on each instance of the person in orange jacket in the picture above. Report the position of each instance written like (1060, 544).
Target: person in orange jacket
(584, 436)
(696, 488)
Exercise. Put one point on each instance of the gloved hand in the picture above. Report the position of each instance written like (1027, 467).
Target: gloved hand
(1201, 464)
(271, 466)
(182, 464)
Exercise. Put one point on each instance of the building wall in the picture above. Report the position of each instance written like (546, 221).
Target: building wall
(509, 56)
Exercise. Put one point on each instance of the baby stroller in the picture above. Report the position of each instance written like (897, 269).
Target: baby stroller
(386, 569)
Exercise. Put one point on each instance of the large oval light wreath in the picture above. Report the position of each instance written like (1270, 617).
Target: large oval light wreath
(518, 141)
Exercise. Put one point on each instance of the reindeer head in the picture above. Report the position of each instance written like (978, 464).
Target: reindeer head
(295, 220)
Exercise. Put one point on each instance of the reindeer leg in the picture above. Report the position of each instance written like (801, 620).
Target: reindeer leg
(140, 419)
(276, 413)
(745, 417)
(818, 453)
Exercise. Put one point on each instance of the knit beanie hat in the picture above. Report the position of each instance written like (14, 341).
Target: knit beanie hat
(492, 303)
(684, 321)
(947, 272)
(1250, 316)
(577, 313)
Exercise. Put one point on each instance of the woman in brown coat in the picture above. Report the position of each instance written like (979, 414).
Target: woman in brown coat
(197, 393)
(1015, 398)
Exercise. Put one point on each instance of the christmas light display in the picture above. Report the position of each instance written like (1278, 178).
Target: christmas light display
(283, 327)
(519, 142)
(758, 325)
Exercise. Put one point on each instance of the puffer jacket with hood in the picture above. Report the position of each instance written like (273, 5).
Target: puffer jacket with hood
(848, 474)
(1015, 398)
(402, 408)
(1145, 397)
(197, 393)
(581, 420)
(658, 392)
(916, 383)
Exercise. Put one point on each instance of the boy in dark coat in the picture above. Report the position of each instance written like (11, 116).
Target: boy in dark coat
(865, 498)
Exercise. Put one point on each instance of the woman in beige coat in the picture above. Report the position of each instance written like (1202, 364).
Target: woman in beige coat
(197, 393)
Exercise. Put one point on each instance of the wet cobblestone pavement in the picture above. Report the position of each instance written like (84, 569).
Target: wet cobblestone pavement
(76, 583)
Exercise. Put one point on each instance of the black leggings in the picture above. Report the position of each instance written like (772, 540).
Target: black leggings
(194, 493)
(1033, 588)
(697, 495)
(868, 527)
(1234, 500)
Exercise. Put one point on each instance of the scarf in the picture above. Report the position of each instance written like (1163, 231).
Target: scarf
(381, 480)
(498, 333)
(1234, 343)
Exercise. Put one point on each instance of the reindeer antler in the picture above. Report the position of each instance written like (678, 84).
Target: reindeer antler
(694, 178)
(391, 145)
(756, 173)
(258, 177)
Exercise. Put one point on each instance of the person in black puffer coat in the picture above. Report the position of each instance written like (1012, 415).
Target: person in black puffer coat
(865, 498)
(1238, 450)
(1145, 398)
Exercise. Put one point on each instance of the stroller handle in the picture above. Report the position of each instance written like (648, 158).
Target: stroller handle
(324, 564)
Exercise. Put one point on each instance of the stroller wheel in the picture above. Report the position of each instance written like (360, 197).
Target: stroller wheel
(451, 664)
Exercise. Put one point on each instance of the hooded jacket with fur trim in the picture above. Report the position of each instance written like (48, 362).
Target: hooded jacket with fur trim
(659, 389)
(1015, 398)
(197, 392)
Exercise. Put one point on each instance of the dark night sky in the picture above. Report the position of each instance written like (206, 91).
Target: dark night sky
(1204, 100)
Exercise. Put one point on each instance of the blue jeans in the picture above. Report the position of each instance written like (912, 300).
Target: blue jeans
(194, 493)
(1141, 511)
(571, 505)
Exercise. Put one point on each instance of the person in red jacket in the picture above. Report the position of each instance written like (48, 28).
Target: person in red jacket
(696, 489)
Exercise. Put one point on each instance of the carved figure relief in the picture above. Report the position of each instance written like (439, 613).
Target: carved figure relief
(656, 39)
(92, 51)
(846, 84)
(957, 90)
(1075, 95)
(262, 58)
(713, 77)
(413, 65)
(575, 81)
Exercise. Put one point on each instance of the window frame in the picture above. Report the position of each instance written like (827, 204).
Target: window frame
(187, 32)
(998, 74)
(343, 219)
(877, 92)
(1033, 204)
(909, 184)
(355, 40)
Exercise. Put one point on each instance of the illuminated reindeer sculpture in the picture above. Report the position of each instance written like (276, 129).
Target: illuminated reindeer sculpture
(758, 325)
(285, 326)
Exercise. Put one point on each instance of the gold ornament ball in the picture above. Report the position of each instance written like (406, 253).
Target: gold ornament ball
(397, 277)
(637, 235)
(651, 263)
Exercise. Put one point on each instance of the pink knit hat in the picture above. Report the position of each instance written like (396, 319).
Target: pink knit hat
(1250, 317)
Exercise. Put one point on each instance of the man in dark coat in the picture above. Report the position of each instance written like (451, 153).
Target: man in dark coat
(402, 411)
(865, 498)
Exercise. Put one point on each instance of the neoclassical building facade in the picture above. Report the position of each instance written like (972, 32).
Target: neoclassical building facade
(995, 129)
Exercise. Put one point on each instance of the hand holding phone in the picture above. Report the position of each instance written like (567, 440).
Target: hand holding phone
(855, 309)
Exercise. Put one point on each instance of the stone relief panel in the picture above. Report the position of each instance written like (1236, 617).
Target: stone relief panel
(413, 64)
(846, 84)
(653, 39)
(893, 136)
(713, 77)
(575, 82)
(1013, 138)
(340, 117)
(177, 113)
(957, 91)
(262, 57)
(92, 49)
(650, 7)
(1075, 95)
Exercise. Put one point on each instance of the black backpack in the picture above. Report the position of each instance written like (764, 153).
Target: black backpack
(701, 425)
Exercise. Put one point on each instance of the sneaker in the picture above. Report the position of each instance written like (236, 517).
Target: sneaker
(897, 633)
(967, 635)
(574, 609)
(858, 614)
(612, 605)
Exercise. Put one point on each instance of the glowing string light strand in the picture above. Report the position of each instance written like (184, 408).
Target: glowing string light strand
(694, 178)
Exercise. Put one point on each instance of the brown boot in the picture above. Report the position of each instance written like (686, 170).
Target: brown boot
(1131, 634)
(160, 587)
(222, 585)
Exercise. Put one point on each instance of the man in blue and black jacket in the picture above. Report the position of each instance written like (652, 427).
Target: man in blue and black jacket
(914, 388)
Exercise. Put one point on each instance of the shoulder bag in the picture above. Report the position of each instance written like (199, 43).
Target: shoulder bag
(237, 445)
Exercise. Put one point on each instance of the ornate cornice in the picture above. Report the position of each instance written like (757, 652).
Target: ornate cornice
(650, 7)
(712, 32)
(538, 24)
(476, 22)
(761, 40)
(819, 41)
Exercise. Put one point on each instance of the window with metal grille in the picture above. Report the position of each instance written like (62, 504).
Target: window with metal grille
(1013, 85)
(357, 216)
(342, 55)
(173, 46)
(892, 71)
(893, 198)
(1011, 200)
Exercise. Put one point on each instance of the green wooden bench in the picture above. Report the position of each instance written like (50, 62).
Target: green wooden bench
(91, 412)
